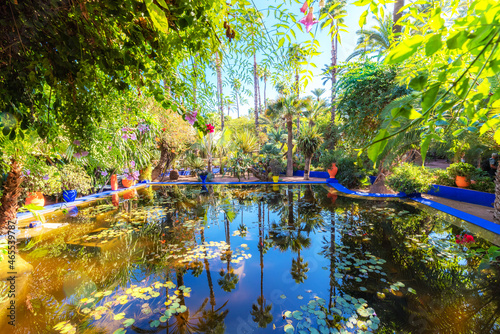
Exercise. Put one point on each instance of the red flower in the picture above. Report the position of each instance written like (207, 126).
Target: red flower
(465, 239)
(210, 128)
(164, 129)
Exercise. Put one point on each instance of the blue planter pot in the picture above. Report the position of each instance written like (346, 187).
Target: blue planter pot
(203, 178)
(69, 195)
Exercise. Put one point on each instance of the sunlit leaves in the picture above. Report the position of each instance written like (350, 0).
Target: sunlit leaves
(433, 45)
(378, 145)
(404, 50)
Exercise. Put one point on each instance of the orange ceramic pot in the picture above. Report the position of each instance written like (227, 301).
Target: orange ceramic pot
(333, 171)
(128, 183)
(35, 198)
(462, 182)
(129, 194)
(114, 182)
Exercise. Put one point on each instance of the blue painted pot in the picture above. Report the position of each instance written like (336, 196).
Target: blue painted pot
(69, 195)
(203, 178)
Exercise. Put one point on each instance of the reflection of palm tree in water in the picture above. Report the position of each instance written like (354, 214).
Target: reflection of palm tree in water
(212, 320)
(261, 313)
(228, 279)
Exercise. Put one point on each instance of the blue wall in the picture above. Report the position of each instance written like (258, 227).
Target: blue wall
(463, 195)
(322, 175)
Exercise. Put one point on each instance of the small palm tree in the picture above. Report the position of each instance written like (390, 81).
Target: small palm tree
(317, 92)
(309, 141)
(378, 39)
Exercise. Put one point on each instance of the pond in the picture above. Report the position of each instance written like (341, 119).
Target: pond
(255, 259)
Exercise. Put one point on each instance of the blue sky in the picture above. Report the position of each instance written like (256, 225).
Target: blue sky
(345, 48)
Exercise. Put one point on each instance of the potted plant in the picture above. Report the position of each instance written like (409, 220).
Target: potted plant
(275, 170)
(145, 174)
(75, 180)
(328, 161)
(203, 176)
(130, 175)
(38, 180)
(462, 173)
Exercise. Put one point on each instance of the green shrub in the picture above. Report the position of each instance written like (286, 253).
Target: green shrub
(146, 173)
(410, 179)
(42, 177)
(483, 183)
(349, 174)
(442, 177)
(461, 169)
(74, 177)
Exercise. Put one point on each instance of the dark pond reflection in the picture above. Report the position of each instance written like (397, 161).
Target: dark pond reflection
(255, 259)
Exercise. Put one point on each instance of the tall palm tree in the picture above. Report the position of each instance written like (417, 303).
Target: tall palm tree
(396, 29)
(264, 73)
(220, 95)
(308, 142)
(336, 15)
(287, 108)
(377, 39)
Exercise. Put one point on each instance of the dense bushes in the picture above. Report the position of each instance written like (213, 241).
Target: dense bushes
(349, 174)
(410, 179)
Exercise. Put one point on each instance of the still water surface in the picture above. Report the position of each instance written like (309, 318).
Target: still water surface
(255, 259)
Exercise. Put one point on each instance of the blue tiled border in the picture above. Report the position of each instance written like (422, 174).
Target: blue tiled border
(486, 224)
(463, 195)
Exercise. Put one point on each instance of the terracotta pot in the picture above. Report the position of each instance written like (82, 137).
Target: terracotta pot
(127, 183)
(114, 182)
(129, 194)
(462, 182)
(333, 171)
(35, 198)
(276, 179)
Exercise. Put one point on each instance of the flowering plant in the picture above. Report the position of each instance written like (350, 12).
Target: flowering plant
(464, 239)
(42, 177)
(210, 128)
(131, 173)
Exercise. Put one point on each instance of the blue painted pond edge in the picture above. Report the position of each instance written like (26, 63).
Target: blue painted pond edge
(486, 224)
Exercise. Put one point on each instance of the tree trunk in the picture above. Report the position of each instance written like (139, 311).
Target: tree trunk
(166, 158)
(334, 76)
(219, 88)
(255, 85)
(307, 167)
(396, 29)
(297, 87)
(11, 192)
(289, 156)
(260, 102)
(496, 214)
(265, 86)
(237, 106)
